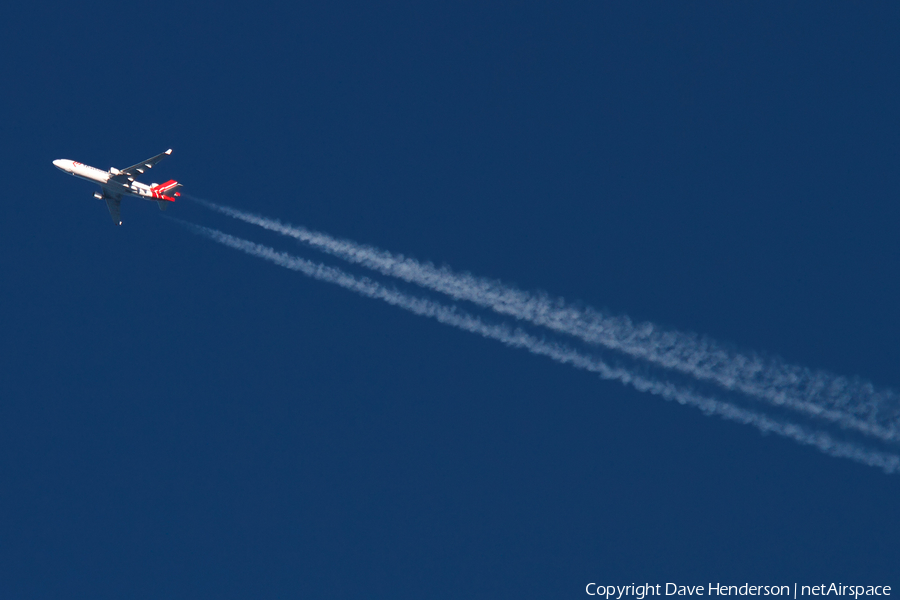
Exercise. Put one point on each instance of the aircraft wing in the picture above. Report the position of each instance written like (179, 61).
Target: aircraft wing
(134, 170)
(112, 203)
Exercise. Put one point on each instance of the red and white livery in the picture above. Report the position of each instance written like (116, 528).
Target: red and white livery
(115, 183)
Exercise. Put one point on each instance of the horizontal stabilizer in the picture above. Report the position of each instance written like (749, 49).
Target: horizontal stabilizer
(162, 204)
(166, 191)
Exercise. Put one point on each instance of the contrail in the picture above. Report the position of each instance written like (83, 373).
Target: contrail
(850, 403)
(517, 338)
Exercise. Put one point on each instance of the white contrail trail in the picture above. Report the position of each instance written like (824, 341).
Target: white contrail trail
(850, 403)
(517, 338)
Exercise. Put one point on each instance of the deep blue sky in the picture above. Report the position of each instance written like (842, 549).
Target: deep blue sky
(178, 420)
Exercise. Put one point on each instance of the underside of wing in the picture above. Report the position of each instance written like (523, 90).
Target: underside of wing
(140, 168)
(112, 203)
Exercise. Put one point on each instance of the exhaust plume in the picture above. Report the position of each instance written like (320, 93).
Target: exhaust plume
(517, 338)
(848, 402)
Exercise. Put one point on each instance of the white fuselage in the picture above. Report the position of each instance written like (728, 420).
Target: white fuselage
(131, 188)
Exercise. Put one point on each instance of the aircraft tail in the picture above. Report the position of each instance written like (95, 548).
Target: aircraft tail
(162, 204)
(166, 191)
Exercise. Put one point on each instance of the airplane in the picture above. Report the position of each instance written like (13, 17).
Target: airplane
(115, 183)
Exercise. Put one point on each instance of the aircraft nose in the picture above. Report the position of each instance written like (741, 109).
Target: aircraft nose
(58, 163)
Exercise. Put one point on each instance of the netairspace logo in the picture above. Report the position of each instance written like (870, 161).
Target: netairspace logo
(639, 592)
